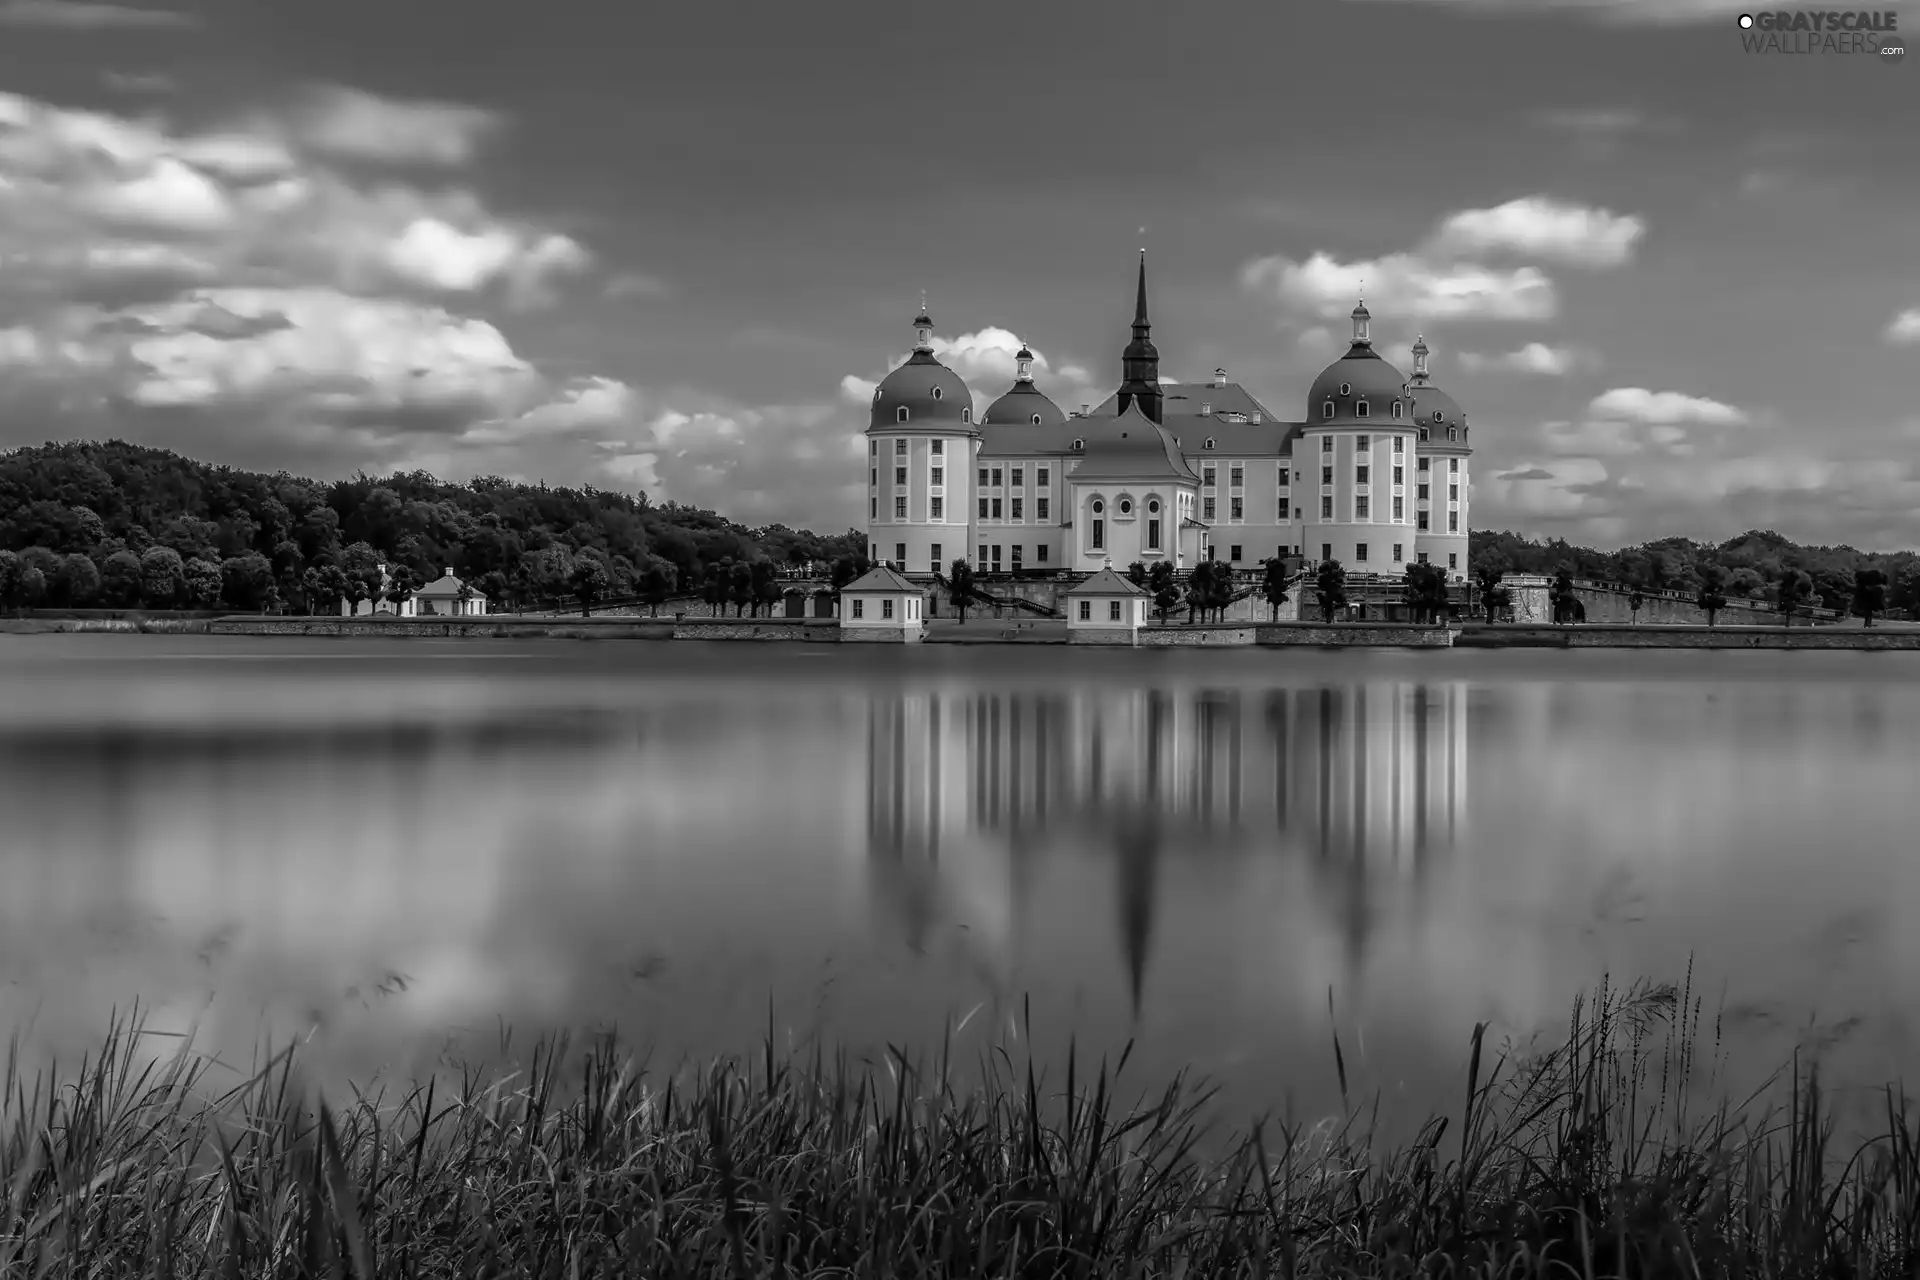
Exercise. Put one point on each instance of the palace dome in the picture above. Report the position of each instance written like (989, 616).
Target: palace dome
(1433, 407)
(930, 392)
(1365, 376)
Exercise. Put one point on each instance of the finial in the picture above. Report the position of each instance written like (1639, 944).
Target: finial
(923, 302)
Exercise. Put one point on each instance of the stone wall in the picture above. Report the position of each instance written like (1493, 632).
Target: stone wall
(1403, 635)
(1101, 635)
(1187, 637)
(1611, 604)
(1614, 636)
(822, 631)
(487, 627)
(882, 635)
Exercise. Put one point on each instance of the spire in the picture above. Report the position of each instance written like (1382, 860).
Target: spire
(1420, 351)
(1140, 362)
(1361, 317)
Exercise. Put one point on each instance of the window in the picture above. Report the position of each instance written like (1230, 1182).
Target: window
(1399, 475)
(1453, 559)
(873, 476)
(934, 556)
(1360, 410)
(1346, 388)
(873, 508)
(899, 508)
(859, 608)
(1326, 409)
(1453, 465)
(1453, 493)
(1283, 477)
(1326, 444)
(1453, 433)
(983, 477)
(983, 508)
(1236, 476)
(1153, 535)
(936, 393)
(1233, 552)
(1153, 506)
(939, 447)
(1126, 506)
(1399, 510)
(900, 554)
(996, 508)
(1360, 553)
(1040, 476)
(1326, 475)
(1423, 435)
(1016, 509)
(1208, 476)
(966, 415)
(1040, 553)
(873, 446)
(1086, 611)
(1296, 513)
(939, 508)
(1361, 473)
(1396, 408)
(1420, 492)
(982, 558)
(1079, 444)
(1281, 516)
(1016, 556)
(900, 414)
(1209, 443)
(1398, 549)
(1439, 415)
(1235, 509)
(1036, 419)
(1363, 444)
(1113, 611)
(900, 446)
(1453, 522)
(1399, 445)
(1099, 534)
(1326, 507)
(1098, 506)
(1424, 464)
(1207, 508)
(899, 475)
(996, 477)
(1040, 508)
(1019, 474)
(996, 557)
(1422, 522)
(1360, 511)
(886, 608)
(1421, 556)
(1326, 551)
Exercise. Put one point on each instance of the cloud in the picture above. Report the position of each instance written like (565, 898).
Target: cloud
(1663, 13)
(1905, 327)
(1526, 473)
(1541, 227)
(138, 81)
(984, 361)
(1449, 276)
(1595, 122)
(1535, 358)
(349, 124)
(89, 15)
(1637, 404)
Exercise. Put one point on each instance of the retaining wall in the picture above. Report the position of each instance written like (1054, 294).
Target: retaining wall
(1613, 636)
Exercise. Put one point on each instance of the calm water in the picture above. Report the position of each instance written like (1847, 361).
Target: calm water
(395, 847)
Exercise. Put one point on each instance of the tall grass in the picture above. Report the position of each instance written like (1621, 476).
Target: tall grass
(1585, 1159)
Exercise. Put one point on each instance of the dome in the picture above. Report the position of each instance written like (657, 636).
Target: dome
(1020, 405)
(1365, 376)
(1433, 407)
(931, 393)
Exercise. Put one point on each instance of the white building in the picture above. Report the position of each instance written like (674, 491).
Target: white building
(1105, 609)
(882, 605)
(447, 596)
(1375, 476)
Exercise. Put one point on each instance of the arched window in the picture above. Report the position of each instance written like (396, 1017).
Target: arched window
(1360, 410)
(902, 414)
(1326, 410)
(1346, 388)
(1079, 445)
(1036, 419)
(1396, 408)
(1209, 443)
(936, 393)
(966, 415)
(876, 395)
(1453, 433)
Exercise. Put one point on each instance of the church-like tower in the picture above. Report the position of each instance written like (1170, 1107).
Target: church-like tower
(1140, 362)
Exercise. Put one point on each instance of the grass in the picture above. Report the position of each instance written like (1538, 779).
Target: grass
(1585, 1159)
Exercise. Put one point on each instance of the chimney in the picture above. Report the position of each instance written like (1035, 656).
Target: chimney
(1256, 417)
(1219, 377)
(1206, 409)
(449, 571)
(1085, 409)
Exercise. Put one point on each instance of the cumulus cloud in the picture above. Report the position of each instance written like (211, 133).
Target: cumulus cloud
(89, 15)
(350, 124)
(1905, 327)
(1637, 404)
(1664, 13)
(1535, 358)
(1453, 273)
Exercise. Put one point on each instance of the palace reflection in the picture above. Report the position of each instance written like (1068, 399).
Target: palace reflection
(971, 795)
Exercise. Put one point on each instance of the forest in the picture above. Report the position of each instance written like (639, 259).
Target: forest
(124, 526)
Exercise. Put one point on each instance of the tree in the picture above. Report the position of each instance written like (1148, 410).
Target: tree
(1499, 600)
(163, 577)
(79, 581)
(766, 585)
(1635, 599)
(1220, 592)
(360, 571)
(1869, 593)
(402, 582)
(1711, 598)
(960, 587)
(121, 584)
(1163, 581)
(1330, 584)
(31, 586)
(1487, 576)
(588, 581)
(1792, 591)
(717, 585)
(246, 582)
(656, 583)
(1273, 587)
(1200, 590)
(1561, 596)
(205, 583)
(9, 579)
(1425, 592)
(740, 586)
(1137, 574)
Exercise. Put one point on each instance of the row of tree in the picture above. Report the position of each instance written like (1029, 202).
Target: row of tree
(125, 526)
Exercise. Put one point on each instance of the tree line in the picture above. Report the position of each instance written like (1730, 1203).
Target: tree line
(125, 526)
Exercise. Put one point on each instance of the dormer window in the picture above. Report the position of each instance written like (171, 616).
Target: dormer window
(876, 395)
(1326, 410)
(1453, 433)
(1360, 409)
(936, 393)
(901, 414)
(1423, 435)
(1036, 419)
(1439, 415)
(1346, 388)
(1079, 445)
(966, 415)
(1209, 443)
(1396, 408)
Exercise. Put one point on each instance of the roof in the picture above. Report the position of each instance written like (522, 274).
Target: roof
(928, 390)
(1130, 447)
(1365, 375)
(1105, 583)
(1019, 405)
(448, 585)
(880, 578)
(1432, 406)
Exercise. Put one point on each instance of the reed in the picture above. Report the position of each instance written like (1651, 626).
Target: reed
(1591, 1157)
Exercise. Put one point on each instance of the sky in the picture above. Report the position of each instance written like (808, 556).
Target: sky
(669, 248)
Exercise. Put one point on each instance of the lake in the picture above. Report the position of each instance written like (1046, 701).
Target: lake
(394, 849)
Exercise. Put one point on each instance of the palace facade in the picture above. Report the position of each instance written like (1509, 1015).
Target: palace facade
(1373, 476)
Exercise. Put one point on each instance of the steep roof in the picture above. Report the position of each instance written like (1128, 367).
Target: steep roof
(1131, 446)
(449, 586)
(880, 578)
(1105, 583)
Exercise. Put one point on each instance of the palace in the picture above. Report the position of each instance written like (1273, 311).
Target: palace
(1375, 476)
